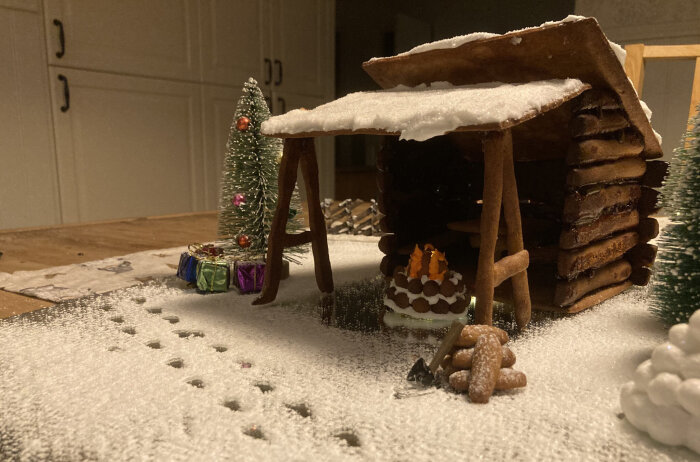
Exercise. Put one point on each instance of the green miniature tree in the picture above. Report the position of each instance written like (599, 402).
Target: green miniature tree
(249, 183)
(676, 287)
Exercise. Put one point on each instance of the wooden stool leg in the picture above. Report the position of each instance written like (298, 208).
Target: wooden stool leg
(511, 212)
(293, 150)
(493, 146)
(317, 224)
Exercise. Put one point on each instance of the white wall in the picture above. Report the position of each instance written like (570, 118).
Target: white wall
(667, 84)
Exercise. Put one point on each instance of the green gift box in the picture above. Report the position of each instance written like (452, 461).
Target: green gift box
(213, 275)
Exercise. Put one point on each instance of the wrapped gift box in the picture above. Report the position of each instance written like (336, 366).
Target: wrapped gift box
(213, 275)
(248, 276)
(187, 269)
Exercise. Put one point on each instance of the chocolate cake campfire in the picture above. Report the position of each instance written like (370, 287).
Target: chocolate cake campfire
(426, 288)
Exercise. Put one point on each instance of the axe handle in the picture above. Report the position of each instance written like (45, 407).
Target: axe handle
(446, 345)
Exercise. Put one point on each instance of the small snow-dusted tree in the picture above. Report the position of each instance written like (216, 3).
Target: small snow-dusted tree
(249, 182)
(676, 287)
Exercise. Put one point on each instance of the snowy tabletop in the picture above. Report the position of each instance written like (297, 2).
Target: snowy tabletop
(160, 372)
(422, 112)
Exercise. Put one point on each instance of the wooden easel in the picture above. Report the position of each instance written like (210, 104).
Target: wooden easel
(638, 53)
(500, 188)
(297, 151)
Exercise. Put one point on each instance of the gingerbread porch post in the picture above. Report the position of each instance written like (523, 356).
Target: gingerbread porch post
(500, 187)
(296, 151)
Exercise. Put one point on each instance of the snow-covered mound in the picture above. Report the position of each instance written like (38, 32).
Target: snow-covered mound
(664, 398)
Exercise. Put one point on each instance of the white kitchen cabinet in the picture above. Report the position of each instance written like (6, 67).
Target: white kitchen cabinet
(126, 146)
(234, 40)
(28, 181)
(302, 47)
(152, 90)
(158, 38)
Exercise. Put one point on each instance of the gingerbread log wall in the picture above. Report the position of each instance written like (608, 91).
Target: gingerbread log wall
(605, 217)
(585, 212)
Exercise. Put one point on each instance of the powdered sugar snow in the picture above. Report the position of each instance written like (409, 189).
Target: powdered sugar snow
(161, 372)
(422, 112)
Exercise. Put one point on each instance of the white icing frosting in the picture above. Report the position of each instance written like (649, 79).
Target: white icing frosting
(664, 397)
(425, 316)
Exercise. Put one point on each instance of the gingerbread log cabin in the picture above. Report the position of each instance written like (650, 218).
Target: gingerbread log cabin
(541, 124)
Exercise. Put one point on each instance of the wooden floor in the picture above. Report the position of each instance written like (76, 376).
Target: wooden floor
(38, 248)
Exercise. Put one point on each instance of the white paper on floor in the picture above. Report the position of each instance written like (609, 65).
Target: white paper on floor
(117, 378)
(61, 283)
(69, 282)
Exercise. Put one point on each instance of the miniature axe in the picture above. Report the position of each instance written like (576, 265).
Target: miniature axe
(425, 374)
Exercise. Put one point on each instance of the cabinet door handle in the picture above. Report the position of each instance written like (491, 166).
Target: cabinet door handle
(268, 71)
(61, 38)
(283, 104)
(278, 65)
(66, 92)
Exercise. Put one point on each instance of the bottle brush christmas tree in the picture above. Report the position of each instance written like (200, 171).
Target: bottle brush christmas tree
(676, 287)
(249, 183)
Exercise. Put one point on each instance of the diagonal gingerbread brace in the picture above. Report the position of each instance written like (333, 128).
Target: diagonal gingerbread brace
(297, 152)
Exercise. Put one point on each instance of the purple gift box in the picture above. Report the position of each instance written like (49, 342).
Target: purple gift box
(248, 276)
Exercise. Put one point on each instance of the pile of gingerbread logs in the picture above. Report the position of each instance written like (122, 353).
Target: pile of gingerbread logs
(481, 363)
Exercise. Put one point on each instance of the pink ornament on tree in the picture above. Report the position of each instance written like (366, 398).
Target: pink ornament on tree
(238, 199)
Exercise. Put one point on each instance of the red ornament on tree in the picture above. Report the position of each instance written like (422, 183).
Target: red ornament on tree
(244, 241)
(242, 123)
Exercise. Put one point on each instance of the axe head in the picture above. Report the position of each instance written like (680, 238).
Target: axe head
(420, 372)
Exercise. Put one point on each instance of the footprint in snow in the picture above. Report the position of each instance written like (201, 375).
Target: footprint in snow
(172, 319)
(129, 330)
(154, 310)
(197, 383)
(302, 409)
(232, 404)
(350, 438)
(155, 344)
(254, 431)
(177, 363)
(189, 333)
(265, 387)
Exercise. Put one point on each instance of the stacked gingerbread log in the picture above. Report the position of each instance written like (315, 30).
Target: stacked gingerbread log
(606, 225)
(480, 363)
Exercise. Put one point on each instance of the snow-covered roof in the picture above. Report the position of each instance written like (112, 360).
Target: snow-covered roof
(422, 112)
(572, 48)
(459, 40)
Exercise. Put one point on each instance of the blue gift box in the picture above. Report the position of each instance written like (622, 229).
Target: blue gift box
(187, 269)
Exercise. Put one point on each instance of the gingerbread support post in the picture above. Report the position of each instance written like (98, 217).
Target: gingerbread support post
(493, 144)
(514, 241)
(500, 187)
(296, 151)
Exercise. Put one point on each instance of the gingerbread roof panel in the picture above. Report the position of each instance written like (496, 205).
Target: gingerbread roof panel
(422, 112)
(573, 48)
